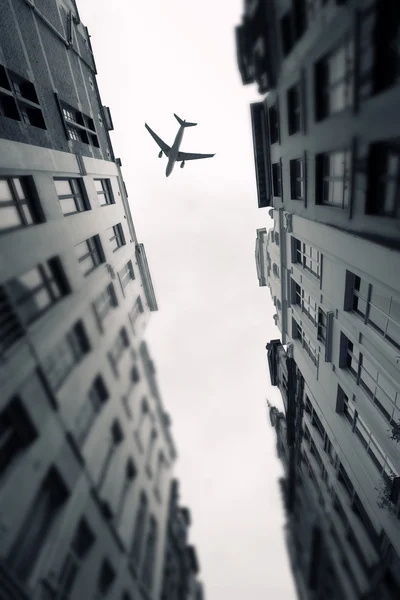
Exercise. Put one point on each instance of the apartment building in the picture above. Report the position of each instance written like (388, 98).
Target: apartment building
(86, 451)
(326, 134)
(181, 568)
(333, 293)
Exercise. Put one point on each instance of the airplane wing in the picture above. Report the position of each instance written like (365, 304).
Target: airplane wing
(164, 147)
(190, 156)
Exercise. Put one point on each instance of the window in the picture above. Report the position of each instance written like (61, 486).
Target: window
(130, 474)
(18, 99)
(37, 525)
(90, 254)
(322, 325)
(306, 302)
(150, 451)
(17, 432)
(82, 542)
(96, 397)
(120, 344)
(104, 303)
(104, 191)
(150, 554)
(378, 50)
(126, 275)
(38, 289)
(71, 195)
(306, 342)
(276, 179)
(19, 206)
(79, 127)
(297, 179)
(11, 328)
(307, 256)
(106, 579)
(375, 384)
(377, 308)
(383, 196)
(114, 439)
(69, 352)
(136, 311)
(334, 81)
(287, 33)
(140, 528)
(294, 109)
(117, 237)
(333, 172)
(273, 124)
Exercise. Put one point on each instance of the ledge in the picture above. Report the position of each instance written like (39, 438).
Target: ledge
(146, 277)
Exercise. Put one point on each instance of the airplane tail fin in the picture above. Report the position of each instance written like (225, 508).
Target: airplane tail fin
(185, 123)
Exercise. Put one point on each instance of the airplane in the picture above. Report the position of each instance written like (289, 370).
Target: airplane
(172, 153)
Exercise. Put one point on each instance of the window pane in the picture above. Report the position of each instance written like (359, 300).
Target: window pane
(338, 97)
(27, 214)
(337, 65)
(68, 205)
(63, 187)
(384, 403)
(81, 249)
(31, 279)
(393, 333)
(19, 189)
(9, 217)
(5, 192)
(33, 306)
(380, 301)
(98, 185)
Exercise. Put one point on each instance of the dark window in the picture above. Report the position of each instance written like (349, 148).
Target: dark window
(137, 310)
(287, 33)
(71, 195)
(276, 179)
(294, 109)
(16, 433)
(140, 528)
(334, 81)
(19, 206)
(297, 179)
(106, 579)
(37, 525)
(300, 17)
(81, 544)
(383, 197)
(38, 289)
(104, 191)
(273, 124)
(322, 324)
(126, 275)
(333, 173)
(18, 99)
(117, 237)
(150, 553)
(69, 352)
(378, 50)
(90, 254)
(96, 397)
(11, 328)
(80, 127)
(104, 303)
(120, 344)
(130, 474)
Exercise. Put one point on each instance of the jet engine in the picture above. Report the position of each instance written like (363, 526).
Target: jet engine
(182, 164)
(160, 154)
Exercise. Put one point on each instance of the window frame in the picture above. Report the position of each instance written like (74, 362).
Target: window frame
(95, 252)
(379, 155)
(294, 109)
(30, 201)
(123, 275)
(325, 182)
(18, 98)
(79, 127)
(117, 238)
(277, 179)
(296, 178)
(106, 191)
(78, 193)
(324, 88)
(302, 254)
(273, 120)
(104, 303)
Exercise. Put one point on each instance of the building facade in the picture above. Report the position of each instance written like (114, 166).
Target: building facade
(326, 160)
(181, 568)
(339, 537)
(326, 134)
(86, 451)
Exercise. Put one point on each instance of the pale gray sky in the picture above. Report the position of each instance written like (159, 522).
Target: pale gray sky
(208, 338)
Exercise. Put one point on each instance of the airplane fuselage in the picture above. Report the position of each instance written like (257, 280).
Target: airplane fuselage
(173, 155)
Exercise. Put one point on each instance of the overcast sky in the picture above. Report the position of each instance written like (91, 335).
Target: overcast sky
(199, 227)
